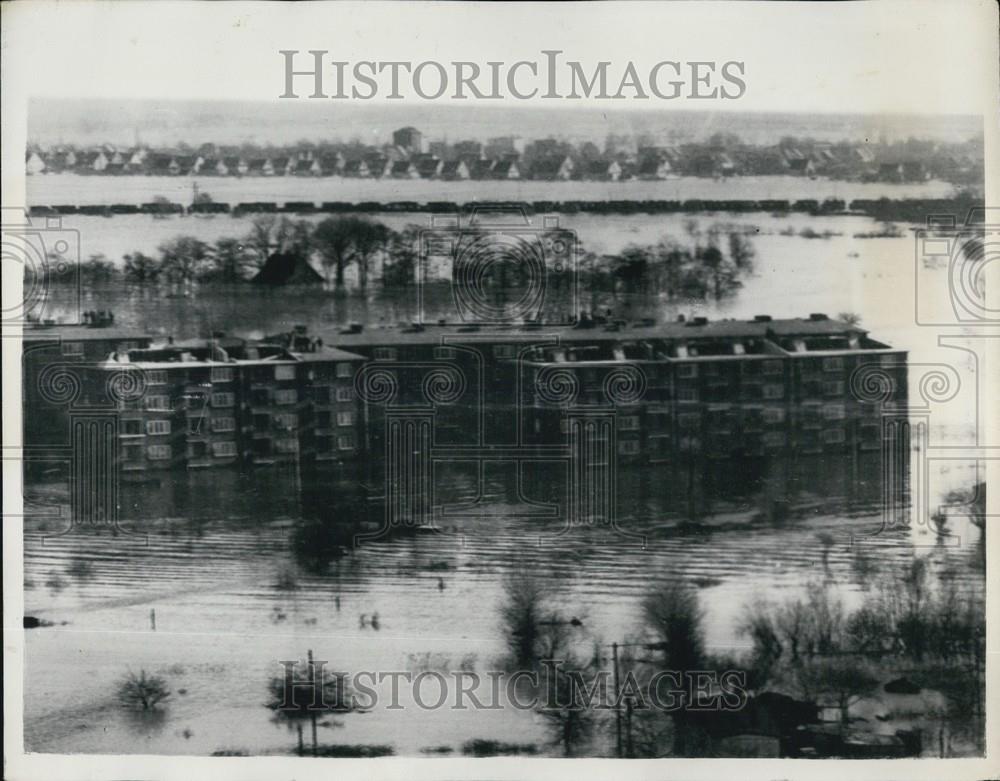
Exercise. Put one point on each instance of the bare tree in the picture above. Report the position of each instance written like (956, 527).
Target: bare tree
(141, 269)
(142, 691)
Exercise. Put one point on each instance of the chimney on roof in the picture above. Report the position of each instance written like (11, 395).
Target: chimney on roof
(680, 318)
(762, 318)
(696, 321)
(816, 316)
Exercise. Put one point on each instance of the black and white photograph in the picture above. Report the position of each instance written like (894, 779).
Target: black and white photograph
(471, 390)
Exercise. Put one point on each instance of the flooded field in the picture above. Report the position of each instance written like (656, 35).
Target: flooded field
(76, 189)
(234, 569)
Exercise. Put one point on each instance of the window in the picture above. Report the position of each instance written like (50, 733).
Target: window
(223, 424)
(833, 436)
(811, 416)
(774, 415)
(157, 426)
(833, 388)
(286, 421)
(156, 377)
(156, 402)
(159, 452)
(687, 394)
(222, 374)
(772, 367)
(833, 364)
(223, 399)
(345, 419)
(834, 412)
(774, 439)
(345, 442)
(689, 420)
(774, 391)
(223, 449)
(870, 433)
(345, 394)
(345, 370)
(285, 397)
(628, 447)
(132, 428)
(286, 445)
(385, 353)
(444, 353)
(72, 348)
(503, 351)
(284, 372)
(629, 423)
(687, 370)
(132, 452)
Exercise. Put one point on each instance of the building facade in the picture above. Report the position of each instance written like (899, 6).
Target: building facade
(659, 393)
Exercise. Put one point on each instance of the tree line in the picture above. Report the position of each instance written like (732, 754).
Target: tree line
(700, 265)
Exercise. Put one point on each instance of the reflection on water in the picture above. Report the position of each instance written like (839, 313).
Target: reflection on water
(243, 570)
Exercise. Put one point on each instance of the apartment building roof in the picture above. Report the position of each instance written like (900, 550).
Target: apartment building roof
(226, 352)
(814, 326)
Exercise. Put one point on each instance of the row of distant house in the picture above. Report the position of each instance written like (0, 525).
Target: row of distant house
(373, 166)
(547, 159)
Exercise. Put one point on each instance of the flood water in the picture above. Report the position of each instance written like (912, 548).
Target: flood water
(241, 573)
(76, 189)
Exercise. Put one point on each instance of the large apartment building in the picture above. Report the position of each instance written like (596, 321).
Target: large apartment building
(658, 392)
(723, 388)
(205, 403)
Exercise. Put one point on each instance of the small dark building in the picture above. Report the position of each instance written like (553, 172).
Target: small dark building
(288, 268)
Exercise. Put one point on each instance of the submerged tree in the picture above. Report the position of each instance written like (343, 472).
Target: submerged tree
(521, 615)
(675, 619)
(183, 259)
(141, 269)
(142, 691)
(341, 241)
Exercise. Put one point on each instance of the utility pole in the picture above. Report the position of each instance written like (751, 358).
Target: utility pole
(618, 712)
(315, 691)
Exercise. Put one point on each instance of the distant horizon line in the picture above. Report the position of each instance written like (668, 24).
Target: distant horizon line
(413, 106)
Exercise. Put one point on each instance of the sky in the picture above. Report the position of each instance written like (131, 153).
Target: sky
(883, 56)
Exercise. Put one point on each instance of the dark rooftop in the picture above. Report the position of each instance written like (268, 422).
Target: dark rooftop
(435, 333)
